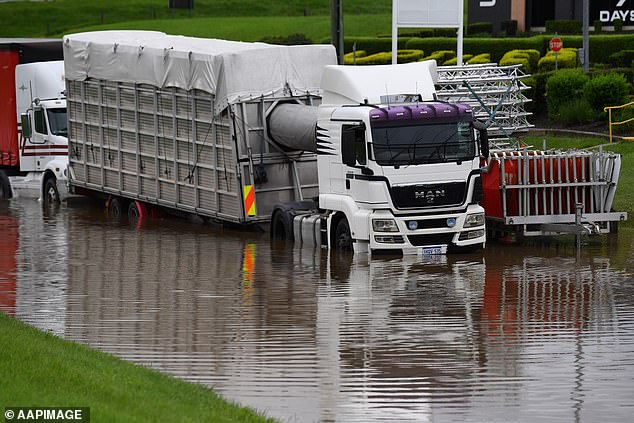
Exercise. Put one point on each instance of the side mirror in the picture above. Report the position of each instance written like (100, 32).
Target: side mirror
(26, 125)
(484, 137)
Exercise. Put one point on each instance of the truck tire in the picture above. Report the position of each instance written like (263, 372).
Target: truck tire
(343, 237)
(282, 225)
(117, 207)
(50, 195)
(5, 186)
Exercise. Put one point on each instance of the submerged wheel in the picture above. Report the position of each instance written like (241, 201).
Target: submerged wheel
(281, 226)
(51, 194)
(134, 214)
(5, 186)
(116, 207)
(343, 238)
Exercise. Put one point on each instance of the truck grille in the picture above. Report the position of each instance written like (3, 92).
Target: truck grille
(432, 195)
(431, 239)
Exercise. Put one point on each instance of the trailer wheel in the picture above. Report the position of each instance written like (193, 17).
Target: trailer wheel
(5, 186)
(281, 226)
(343, 238)
(51, 194)
(116, 207)
(134, 214)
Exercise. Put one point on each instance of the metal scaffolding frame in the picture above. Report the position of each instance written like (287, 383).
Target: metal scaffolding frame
(496, 94)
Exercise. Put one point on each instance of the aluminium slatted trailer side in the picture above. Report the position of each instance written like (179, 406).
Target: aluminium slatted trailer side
(192, 136)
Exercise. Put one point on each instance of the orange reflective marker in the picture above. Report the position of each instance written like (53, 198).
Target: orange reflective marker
(249, 200)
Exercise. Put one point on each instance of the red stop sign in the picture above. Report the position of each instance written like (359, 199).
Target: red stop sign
(555, 44)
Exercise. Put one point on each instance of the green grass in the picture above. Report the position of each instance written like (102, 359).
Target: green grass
(624, 199)
(316, 28)
(39, 369)
(27, 19)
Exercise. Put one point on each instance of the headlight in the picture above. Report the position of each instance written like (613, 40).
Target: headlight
(473, 220)
(384, 225)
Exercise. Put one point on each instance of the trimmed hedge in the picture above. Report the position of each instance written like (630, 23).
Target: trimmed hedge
(348, 58)
(509, 28)
(480, 28)
(385, 58)
(567, 58)
(622, 58)
(454, 61)
(563, 27)
(440, 56)
(480, 59)
(497, 47)
(527, 58)
(601, 46)
(374, 45)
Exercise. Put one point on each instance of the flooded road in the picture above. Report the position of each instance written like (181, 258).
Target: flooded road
(517, 333)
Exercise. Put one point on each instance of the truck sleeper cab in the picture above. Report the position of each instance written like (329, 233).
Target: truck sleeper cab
(406, 179)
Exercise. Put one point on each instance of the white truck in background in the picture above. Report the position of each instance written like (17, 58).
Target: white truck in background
(33, 137)
(357, 158)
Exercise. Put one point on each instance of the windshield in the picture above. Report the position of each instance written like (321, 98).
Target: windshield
(423, 144)
(57, 121)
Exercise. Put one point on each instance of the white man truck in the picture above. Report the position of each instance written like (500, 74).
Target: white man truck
(33, 142)
(343, 157)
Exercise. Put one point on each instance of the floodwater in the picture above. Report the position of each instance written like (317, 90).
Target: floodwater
(517, 333)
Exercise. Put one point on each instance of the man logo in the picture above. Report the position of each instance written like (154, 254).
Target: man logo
(429, 196)
(491, 3)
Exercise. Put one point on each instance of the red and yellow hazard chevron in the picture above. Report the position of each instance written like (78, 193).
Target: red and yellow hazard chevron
(249, 200)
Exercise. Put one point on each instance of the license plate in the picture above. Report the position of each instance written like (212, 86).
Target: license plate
(434, 250)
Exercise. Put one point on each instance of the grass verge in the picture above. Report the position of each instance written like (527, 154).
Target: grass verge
(316, 28)
(40, 369)
(624, 199)
(28, 18)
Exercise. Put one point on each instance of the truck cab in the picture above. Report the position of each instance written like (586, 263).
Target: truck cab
(398, 171)
(42, 130)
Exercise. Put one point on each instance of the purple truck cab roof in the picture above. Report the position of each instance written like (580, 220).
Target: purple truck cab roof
(421, 113)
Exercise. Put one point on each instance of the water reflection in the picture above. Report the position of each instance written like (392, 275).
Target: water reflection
(523, 334)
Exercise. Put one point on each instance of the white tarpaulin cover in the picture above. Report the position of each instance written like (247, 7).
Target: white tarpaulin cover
(230, 70)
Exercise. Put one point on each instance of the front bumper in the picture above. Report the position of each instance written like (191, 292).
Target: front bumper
(434, 234)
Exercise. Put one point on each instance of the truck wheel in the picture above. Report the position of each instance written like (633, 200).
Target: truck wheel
(116, 207)
(281, 226)
(5, 186)
(51, 194)
(343, 238)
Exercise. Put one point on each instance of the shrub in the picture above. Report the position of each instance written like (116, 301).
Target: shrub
(618, 25)
(480, 59)
(606, 90)
(563, 27)
(622, 58)
(454, 61)
(527, 58)
(537, 92)
(445, 32)
(289, 40)
(576, 111)
(373, 44)
(602, 46)
(384, 58)
(440, 56)
(348, 58)
(621, 115)
(567, 58)
(563, 86)
(495, 46)
(480, 28)
(598, 26)
(509, 28)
